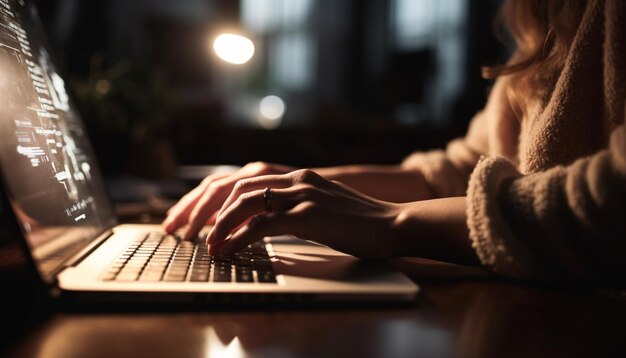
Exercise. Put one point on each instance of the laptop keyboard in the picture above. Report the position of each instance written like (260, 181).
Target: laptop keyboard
(161, 257)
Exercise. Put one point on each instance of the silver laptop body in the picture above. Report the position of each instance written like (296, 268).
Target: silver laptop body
(57, 195)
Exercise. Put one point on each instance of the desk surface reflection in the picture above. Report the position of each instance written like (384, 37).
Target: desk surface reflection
(456, 315)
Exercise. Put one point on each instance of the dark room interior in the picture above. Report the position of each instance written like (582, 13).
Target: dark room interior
(312, 178)
(360, 82)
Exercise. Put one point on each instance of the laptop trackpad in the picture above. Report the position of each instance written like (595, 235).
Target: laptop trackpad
(303, 259)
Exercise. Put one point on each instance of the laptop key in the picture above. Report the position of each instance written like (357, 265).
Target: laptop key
(151, 277)
(179, 265)
(221, 276)
(165, 258)
(266, 276)
(127, 276)
(244, 276)
(222, 258)
(177, 272)
(174, 277)
(199, 277)
(201, 266)
(265, 263)
(109, 276)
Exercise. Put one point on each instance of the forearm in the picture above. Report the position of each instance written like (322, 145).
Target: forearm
(434, 229)
(385, 182)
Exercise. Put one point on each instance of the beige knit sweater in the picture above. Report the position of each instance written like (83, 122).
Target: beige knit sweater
(546, 192)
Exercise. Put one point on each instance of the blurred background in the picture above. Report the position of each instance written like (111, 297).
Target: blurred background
(314, 82)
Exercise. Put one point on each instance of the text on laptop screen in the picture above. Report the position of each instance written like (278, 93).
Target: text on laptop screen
(50, 174)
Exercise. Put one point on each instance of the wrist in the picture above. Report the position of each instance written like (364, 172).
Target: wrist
(403, 227)
(390, 183)
(435, 229)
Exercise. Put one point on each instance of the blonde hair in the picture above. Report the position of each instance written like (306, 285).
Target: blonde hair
(543, 31)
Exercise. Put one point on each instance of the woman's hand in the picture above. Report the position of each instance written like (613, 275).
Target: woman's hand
(310, 207)
(200, 205)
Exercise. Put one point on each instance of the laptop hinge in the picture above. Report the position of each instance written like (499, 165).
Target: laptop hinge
(82, 254)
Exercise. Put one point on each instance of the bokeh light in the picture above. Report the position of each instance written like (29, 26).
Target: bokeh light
(272, 110)
(235, 49)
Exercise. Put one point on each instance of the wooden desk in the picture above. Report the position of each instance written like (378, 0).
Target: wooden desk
(465, 317)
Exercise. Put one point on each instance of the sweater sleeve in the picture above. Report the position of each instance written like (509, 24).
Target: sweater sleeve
(563, 224)
(447, 171)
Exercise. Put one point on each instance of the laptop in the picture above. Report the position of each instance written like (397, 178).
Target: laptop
(57, 196)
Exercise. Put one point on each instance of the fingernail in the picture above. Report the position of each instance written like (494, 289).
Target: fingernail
(217, 245)
(210, 236)
(214, 248)
(223, 248)
(188, 235)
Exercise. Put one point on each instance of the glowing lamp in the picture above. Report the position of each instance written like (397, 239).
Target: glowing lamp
(233, 48)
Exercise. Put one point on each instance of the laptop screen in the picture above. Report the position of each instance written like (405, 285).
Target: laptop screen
(49, 170)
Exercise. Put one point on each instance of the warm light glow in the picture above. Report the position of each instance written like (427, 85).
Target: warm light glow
(272, 110)
(272, 107)
(215, 347)
(103, 87)
(233, 48)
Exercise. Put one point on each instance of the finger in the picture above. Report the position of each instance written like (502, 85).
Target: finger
(211, 201)
(246, 206)
(204, 209)
(212, 219)
(178, 215)
(262, 226)
(305, 177)
(195, 194)
(251, 184)
(185, 199)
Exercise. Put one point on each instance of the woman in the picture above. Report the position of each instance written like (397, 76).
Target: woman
(538, 184)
